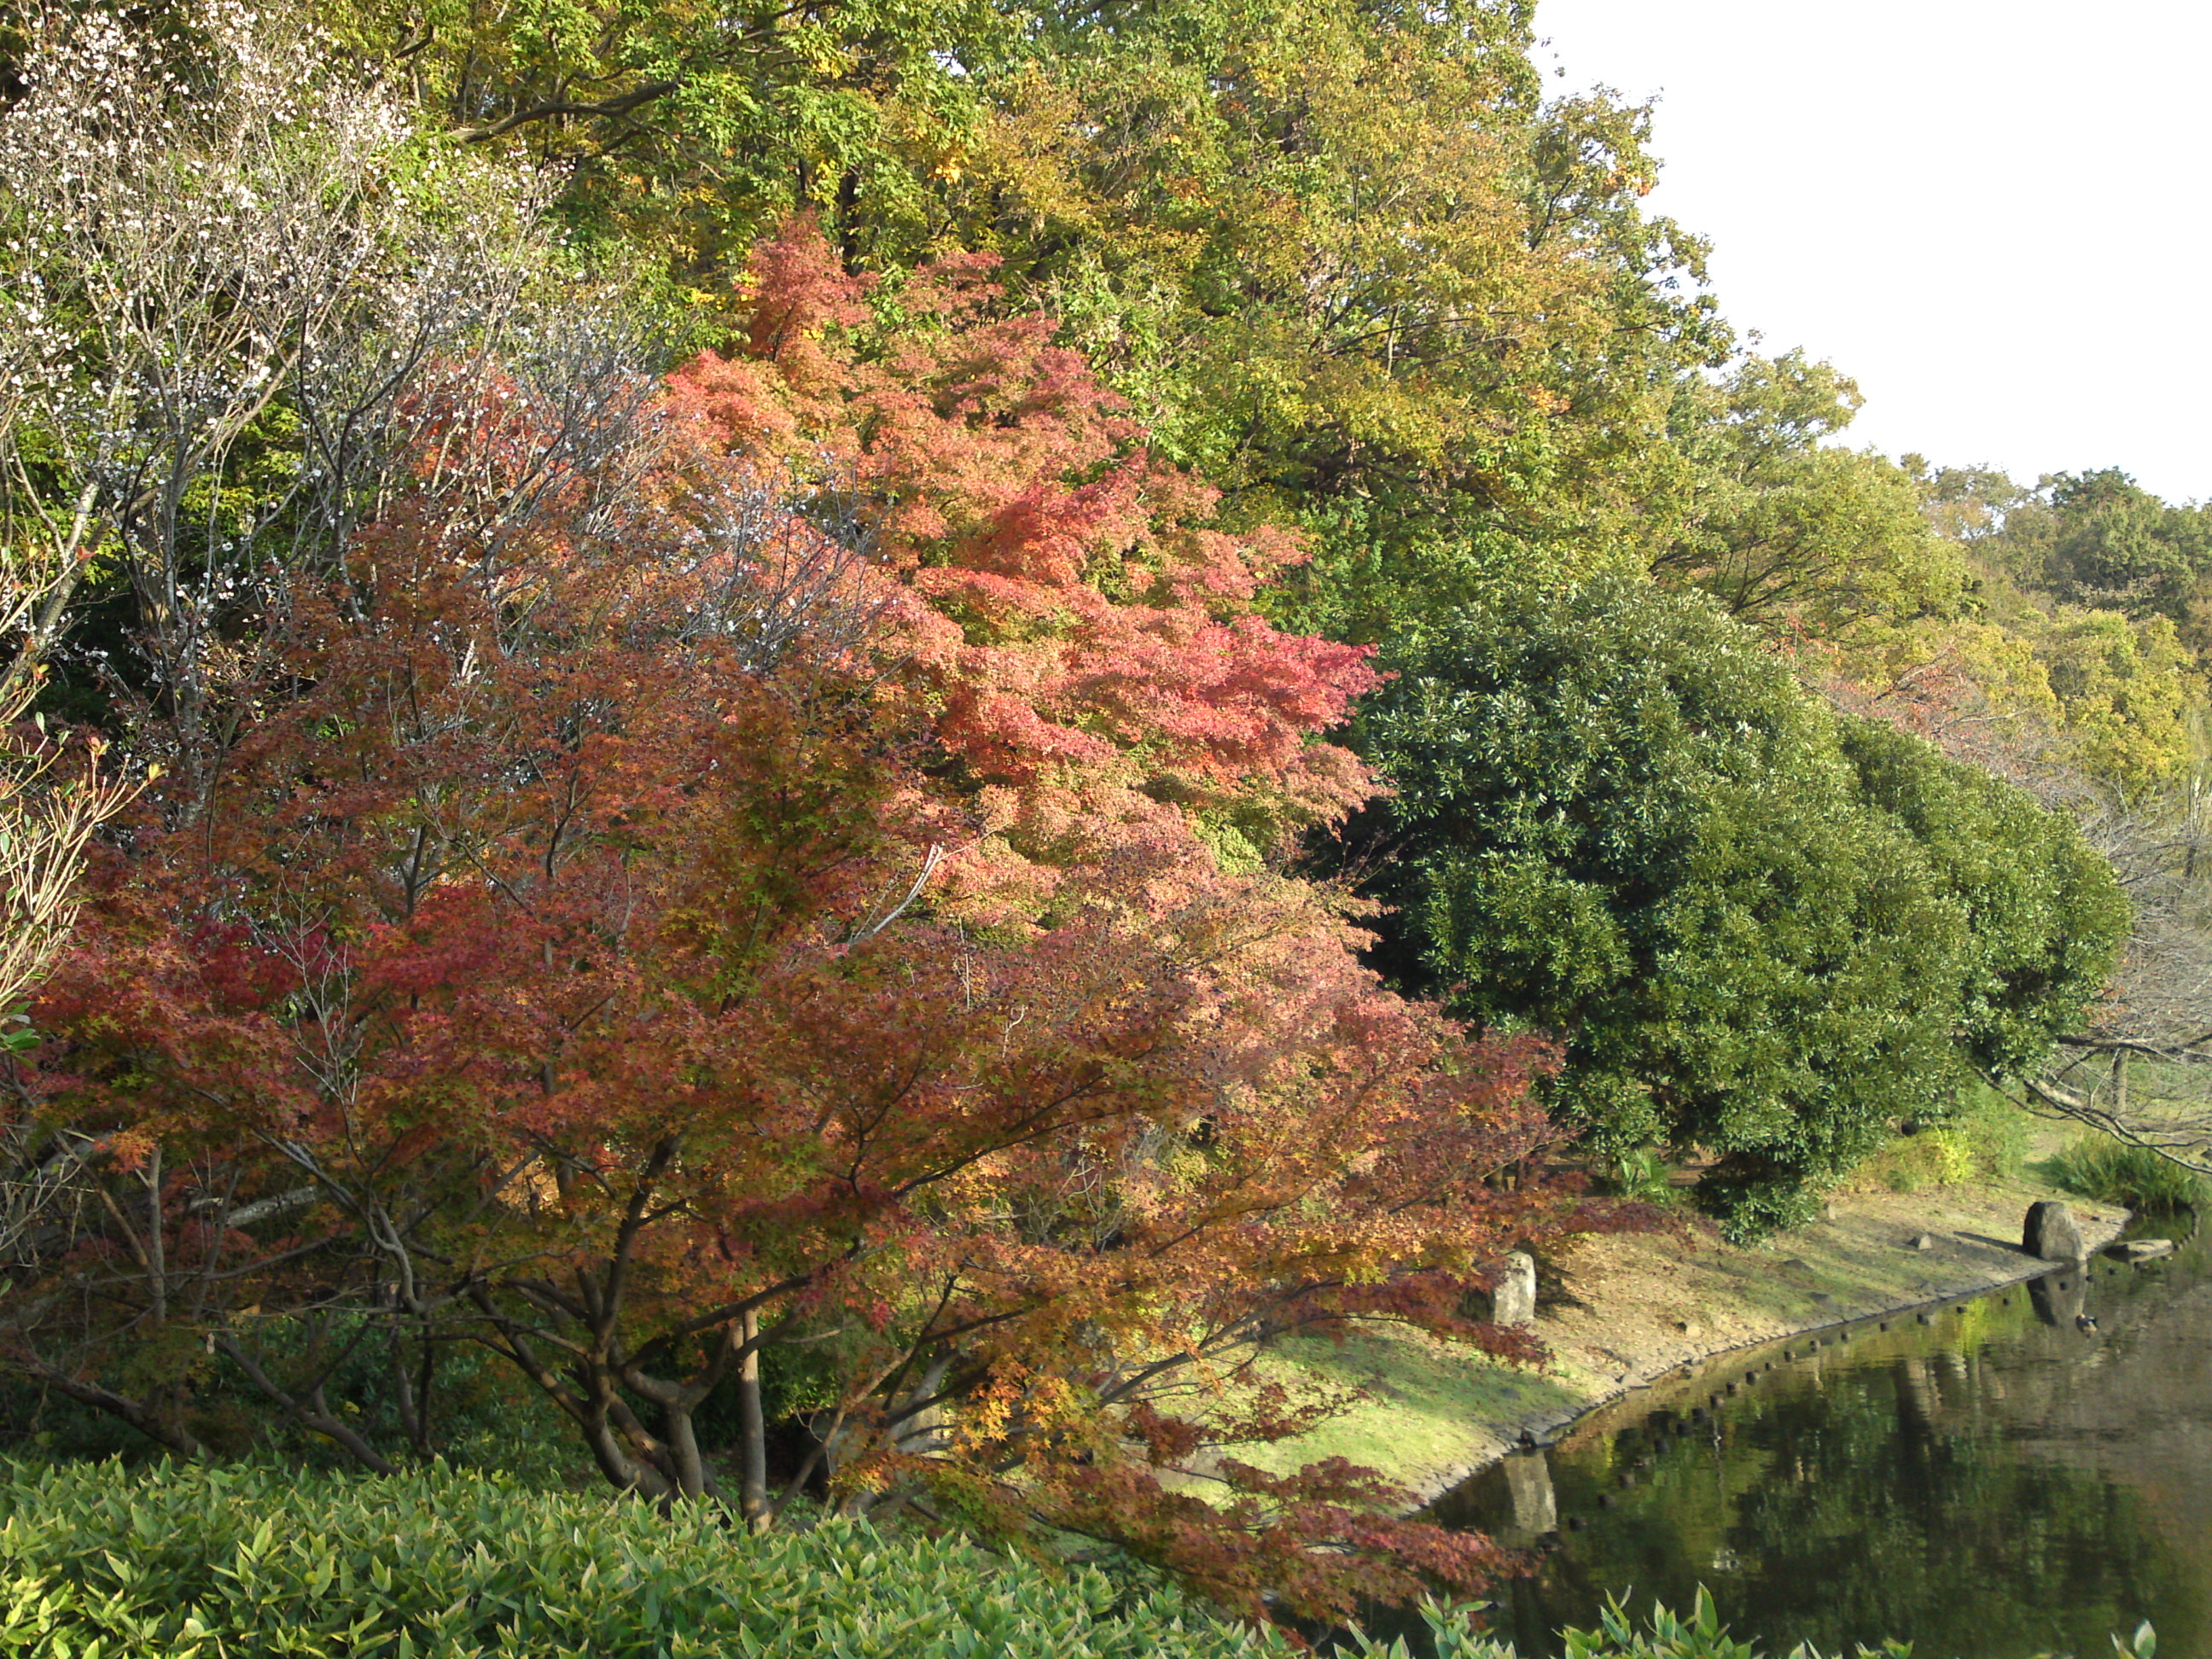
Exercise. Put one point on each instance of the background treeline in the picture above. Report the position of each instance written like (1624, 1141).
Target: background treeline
(758, 671)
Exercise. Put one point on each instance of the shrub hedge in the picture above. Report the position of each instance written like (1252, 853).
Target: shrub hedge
(97, 1561)
(184, 1561)
(1699, 1634)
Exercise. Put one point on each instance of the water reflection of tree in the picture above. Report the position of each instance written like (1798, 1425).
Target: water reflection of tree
(1891, 1500)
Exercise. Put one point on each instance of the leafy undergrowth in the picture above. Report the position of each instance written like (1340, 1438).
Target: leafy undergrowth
(98, 1562)
(1985, 1139)
(2098, 1167)
(1700, 1635)
(190, 1562)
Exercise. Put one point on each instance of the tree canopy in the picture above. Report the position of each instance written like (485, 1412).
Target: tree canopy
(735, 636)
(1761, 928)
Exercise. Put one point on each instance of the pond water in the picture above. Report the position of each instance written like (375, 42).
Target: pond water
(1984, 1478)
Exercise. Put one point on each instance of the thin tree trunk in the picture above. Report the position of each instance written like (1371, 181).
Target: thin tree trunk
(695, 1477)
(157, 1254)
(752, 1495)
(412, 1394)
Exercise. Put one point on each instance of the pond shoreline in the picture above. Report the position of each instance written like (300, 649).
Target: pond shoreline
(1618, 1313)
(2100, 1228)
(2015, 1470)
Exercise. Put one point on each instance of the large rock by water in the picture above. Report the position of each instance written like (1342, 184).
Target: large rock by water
(2051, 1233)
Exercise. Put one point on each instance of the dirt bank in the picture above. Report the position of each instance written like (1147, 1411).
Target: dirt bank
(1618, 1313)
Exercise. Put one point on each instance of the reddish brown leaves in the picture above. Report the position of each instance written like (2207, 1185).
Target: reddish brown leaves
(1087, 651)
(773, 907)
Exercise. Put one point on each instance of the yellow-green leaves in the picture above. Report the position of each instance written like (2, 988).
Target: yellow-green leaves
(1798, 538)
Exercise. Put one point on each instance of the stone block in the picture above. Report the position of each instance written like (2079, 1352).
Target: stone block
(2141, 1250)
(1514, 1301)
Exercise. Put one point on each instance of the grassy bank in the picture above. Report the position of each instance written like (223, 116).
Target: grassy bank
(1615, 1313)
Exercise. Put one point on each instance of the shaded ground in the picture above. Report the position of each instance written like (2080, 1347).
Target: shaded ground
(1617, 1313)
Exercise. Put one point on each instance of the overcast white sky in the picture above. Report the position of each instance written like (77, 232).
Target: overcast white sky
(1996, 214)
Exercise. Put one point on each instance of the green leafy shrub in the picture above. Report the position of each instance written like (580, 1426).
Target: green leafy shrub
(1665, 1636)
(99, 1561)
(1756, 928)
(2098, 1167)
(1930, 1158)
(1640, 1172)
(1984, 1137)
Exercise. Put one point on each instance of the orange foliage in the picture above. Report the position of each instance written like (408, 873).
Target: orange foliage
(770, 912)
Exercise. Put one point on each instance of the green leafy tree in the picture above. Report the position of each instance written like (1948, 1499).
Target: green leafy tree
(2107, 541)
(686, 128)
(1794, 535)
(2043, 908)
(1344, 256)
(2081, 637)
(1760, 928)
(1359, 271)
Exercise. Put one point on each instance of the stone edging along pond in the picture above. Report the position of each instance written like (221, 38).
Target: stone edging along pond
(1618, 1313)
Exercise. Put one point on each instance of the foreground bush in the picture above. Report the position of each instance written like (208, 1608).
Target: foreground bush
(1666, 1636)
(1701, 1636)
(189, 1563)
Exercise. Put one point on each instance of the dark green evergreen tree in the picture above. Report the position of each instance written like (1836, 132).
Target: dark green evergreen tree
(1760, 928)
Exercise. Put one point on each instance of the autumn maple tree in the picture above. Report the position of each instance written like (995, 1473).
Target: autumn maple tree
(799, 899)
